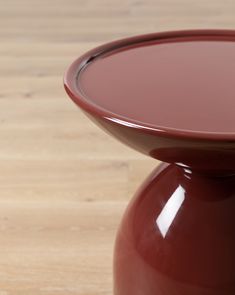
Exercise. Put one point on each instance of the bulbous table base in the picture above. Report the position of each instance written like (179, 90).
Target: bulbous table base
(177, 236)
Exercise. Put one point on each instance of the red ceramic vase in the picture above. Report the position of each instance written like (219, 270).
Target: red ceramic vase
(170, 95)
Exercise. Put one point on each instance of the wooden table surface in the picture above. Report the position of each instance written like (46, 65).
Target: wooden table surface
(64, 183)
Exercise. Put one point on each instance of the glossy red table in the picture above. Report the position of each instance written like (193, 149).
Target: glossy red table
(170, 95)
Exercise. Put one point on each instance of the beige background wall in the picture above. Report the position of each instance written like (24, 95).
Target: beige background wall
(64, 183)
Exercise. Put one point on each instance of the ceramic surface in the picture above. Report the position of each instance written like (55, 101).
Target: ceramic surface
(170, 95)
(177, 237)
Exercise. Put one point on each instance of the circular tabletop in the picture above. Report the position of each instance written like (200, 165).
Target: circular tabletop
(178, 81)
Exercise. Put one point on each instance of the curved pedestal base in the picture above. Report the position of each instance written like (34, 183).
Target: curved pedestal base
(177, 236)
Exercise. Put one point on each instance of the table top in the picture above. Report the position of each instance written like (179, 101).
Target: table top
(181, 81)
(62, 191)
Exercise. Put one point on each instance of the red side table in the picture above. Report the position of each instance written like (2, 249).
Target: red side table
(170, 95)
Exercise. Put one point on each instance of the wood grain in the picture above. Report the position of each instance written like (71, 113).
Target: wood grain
(64, 183)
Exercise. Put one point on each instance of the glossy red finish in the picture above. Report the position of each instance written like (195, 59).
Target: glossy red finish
(177, 237)
(187, 113)
(171, 96)
(205, 156)
(176, 84)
